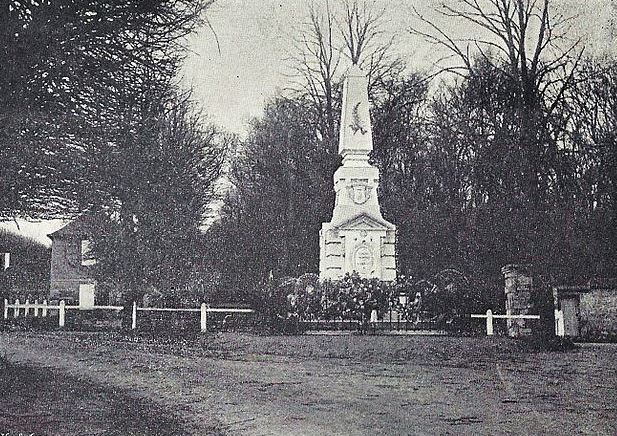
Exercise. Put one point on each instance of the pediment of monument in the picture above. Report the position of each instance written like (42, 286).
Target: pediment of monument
(365, 222)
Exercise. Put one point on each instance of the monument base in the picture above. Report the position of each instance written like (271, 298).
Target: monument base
(363, 245)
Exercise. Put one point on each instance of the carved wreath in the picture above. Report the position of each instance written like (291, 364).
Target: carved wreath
(356, 123)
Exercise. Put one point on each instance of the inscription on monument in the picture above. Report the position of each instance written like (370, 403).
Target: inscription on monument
(363, 259)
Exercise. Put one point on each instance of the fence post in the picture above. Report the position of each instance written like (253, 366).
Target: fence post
(27, 308)
(204, 318)
(6, 308)
(559, 323)
(36, 308)
(489, 322)
(44, 310)
(16, 309)
(61, 314)
(134, 316)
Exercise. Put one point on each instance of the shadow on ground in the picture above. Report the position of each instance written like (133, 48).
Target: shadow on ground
(40, 401)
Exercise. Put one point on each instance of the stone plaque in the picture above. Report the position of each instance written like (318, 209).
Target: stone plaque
(363, 259)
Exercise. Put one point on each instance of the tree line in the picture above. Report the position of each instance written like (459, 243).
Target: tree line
(93, 120)
(505, 154)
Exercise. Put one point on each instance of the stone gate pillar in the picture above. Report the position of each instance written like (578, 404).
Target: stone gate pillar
(518, 288)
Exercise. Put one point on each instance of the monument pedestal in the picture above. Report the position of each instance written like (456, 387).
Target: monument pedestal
(357, 238)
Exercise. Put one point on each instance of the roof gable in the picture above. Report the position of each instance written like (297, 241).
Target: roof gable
(83, 225)
(365, 222)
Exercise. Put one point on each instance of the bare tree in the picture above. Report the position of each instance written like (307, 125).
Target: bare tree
(344, 32)
(315, 61)
(529, 44)
(594, 131)
(366, 42)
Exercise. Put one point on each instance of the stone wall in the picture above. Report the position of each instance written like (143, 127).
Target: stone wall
(598, 313)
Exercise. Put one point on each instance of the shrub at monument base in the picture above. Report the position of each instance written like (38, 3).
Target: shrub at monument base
(445, 300)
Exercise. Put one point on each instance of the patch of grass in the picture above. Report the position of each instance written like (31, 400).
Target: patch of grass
(442, 350)
(542, 343)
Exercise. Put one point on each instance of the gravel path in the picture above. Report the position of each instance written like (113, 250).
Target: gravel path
(251, 393)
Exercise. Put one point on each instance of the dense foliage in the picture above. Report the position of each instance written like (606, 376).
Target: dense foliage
(512, 160)
(28, 271)
(72, 72)
(441, 300)
(149, 236)
(94, 122)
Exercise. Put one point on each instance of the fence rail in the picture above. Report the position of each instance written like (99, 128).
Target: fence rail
(166, 309)
(41, 310)
(62, 307)
(117, 308)
(203, 310)
(36, 307)
(489, 319)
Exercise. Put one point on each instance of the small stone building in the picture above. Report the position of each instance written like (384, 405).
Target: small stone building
(590, 311)
(71, 276)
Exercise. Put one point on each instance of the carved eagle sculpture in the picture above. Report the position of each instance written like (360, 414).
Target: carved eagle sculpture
(356, 123)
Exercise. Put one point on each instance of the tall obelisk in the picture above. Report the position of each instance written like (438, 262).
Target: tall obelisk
(357, 238)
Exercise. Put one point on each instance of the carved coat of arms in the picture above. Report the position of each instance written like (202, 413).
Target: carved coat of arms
(359, 193)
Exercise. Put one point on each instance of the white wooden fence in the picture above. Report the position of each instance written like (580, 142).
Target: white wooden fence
(36, 308)
(490, 317)
(203, 310)
(44, 307)
(560, 328)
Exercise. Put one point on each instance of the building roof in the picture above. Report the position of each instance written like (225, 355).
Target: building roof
(83, 225)
(603, 283)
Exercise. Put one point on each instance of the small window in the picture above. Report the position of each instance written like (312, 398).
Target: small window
(86, 254)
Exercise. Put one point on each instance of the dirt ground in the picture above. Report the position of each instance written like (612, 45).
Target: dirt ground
(311, 385)
(41, 401)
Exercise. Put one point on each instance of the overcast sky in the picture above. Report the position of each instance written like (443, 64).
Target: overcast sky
(255, 37)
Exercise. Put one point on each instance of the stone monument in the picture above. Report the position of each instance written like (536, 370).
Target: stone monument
(357, 238)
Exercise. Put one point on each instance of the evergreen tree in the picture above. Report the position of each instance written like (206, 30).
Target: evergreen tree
(160, 186)
(68, 69)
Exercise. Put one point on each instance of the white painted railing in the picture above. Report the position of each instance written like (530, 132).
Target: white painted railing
(44, 307)
(36, 308)
(490, 317)
(203, 313)
(560, 327)
(18, 307)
